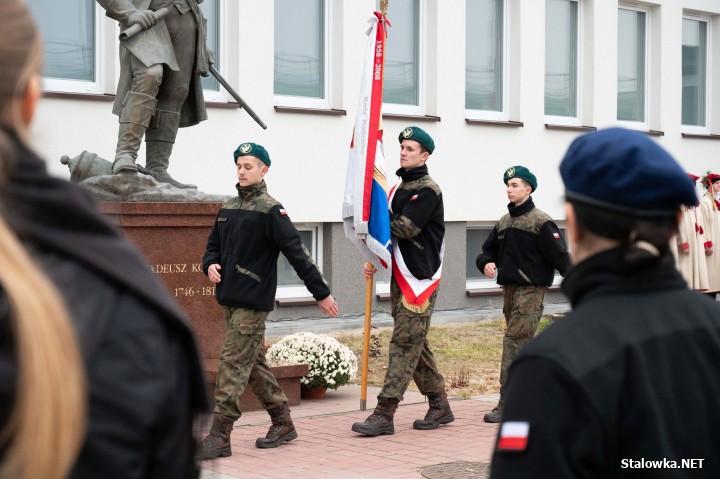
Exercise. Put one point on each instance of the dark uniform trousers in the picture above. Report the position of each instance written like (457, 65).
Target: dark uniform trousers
(522, 308)
(242, 362)
(410, 356)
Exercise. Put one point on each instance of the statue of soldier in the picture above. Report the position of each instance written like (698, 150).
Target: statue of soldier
(159, 88)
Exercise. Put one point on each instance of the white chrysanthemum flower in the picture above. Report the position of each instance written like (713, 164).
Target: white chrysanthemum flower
(330, 363)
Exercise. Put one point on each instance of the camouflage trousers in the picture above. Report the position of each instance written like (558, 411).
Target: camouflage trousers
(522, 307)
(242, 362)
(410, 356)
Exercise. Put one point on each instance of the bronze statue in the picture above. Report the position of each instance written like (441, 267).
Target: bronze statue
(160, 87)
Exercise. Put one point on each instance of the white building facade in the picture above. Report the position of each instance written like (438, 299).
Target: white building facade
(495, 82)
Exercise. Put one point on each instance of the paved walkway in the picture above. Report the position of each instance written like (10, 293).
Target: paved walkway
(327, 448)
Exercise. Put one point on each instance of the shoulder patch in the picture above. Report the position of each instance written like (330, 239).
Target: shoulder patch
(282, 212)
(513, 436)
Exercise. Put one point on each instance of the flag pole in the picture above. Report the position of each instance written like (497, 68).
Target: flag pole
(366, 339)
(368, 300)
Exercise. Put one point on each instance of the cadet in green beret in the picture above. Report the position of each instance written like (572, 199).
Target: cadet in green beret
(241, 261)
(417, 227)
(524, 248)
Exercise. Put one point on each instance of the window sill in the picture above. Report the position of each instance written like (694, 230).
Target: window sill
(701, 137)
(476, 292)
(289, 302)
(222, 104)
(313, 111)
(512, 124)
(110, 97)
(654, 132)
(398, 116)
(78, 96)
(570, 127)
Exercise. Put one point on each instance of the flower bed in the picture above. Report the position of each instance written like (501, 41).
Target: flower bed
(330, 363)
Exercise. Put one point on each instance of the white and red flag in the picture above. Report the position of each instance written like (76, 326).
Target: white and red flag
(513, 436)
(365, 206)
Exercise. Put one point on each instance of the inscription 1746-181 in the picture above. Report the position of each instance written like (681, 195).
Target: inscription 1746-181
(185, 290)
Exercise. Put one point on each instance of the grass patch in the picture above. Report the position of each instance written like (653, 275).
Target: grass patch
(467, 354)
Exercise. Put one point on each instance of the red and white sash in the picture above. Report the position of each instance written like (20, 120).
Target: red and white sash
(415, 291)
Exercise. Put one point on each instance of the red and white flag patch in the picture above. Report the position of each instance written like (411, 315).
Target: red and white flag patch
(513, 436)
(283, 212)
(556, 235)
(413, 197)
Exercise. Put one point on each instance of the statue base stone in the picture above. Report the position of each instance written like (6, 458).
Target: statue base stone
(173, 237)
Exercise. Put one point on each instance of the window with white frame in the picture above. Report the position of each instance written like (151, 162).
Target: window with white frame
(485, 58)
(301, 53)
(403, 73)
(71, 33)
(632, 65)
(211, 12)
(694, 73)
(562, 60)
(289, 284)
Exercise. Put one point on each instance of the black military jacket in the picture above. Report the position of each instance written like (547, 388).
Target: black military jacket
(417, 220)
(249, 233)
(526, 247)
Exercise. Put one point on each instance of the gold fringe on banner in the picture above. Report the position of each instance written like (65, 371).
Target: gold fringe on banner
(415, 308)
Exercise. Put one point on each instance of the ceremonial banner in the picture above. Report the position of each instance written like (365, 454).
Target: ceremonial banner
(365, 206)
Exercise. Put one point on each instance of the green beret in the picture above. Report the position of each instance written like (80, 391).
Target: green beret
(415, 133)
(520, 172)
(252, 149)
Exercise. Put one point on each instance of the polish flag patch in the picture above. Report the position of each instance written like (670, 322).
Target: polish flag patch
(283, 212)
(513, 436)
(556, 235)
(413, 198)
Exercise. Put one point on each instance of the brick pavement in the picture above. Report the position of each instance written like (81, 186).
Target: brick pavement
(327, 448)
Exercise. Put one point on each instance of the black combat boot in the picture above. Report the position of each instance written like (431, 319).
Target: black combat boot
(438, 413)
(282, 428)
(381, 420)
(217, 442)
(495, 415)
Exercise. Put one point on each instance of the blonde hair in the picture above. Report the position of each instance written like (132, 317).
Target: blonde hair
(47, 424)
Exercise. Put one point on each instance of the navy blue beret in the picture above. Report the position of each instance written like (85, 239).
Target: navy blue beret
(625, 171)
(252, 149)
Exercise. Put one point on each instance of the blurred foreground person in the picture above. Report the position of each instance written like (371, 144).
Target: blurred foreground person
(628, 383)
(74, 291)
